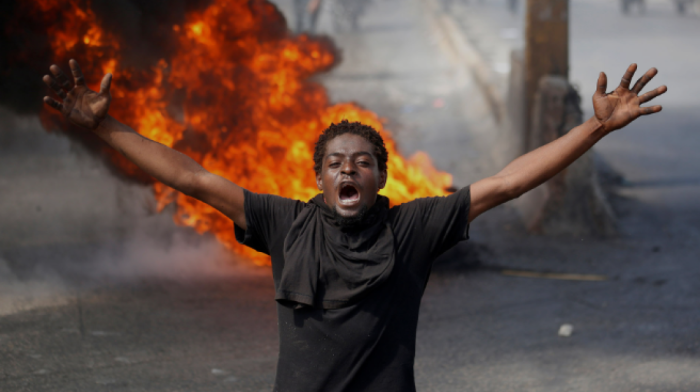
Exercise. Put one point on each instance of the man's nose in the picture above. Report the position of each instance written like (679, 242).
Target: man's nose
(348, 168)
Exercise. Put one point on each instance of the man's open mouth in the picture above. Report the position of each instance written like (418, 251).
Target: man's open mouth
(348, 194)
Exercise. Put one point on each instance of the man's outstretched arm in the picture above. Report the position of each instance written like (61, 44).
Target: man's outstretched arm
(612, 111)
(88, 109)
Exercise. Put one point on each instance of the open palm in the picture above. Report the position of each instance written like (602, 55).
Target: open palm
(79, 105)
(623, 105)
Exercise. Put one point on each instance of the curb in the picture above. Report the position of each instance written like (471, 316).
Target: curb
(468, 55)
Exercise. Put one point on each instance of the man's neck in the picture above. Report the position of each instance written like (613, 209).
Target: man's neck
(352, 222)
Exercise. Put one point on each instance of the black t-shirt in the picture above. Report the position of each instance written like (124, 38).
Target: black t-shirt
(369, 345)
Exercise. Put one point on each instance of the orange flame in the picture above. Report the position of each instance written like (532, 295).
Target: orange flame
(247, 110)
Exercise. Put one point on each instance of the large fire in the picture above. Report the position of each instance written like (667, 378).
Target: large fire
(235, 96)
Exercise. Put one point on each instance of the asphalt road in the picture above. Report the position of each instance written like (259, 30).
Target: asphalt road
(168, 313)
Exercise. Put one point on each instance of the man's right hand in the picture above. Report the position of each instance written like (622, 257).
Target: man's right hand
(80, 105)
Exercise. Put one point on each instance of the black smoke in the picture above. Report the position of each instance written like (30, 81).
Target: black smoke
(25, 55)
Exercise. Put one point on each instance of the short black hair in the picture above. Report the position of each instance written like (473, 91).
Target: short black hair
(356, 128)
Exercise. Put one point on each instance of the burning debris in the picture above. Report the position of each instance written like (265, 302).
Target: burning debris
(229, 86)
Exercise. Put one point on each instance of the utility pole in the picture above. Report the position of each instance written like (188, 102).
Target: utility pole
(572, 202)
(546, 48)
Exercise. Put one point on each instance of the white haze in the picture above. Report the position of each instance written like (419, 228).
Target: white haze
(68, 224)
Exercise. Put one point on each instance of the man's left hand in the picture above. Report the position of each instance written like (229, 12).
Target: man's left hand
(622, 106)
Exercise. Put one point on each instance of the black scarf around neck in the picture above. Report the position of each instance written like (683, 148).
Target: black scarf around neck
(330, 267)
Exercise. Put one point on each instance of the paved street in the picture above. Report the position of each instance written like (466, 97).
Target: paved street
(165, 312)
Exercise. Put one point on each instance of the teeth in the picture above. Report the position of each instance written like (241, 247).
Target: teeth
(348, 202)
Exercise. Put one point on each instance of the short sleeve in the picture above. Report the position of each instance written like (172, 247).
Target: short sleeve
(268, 219)
(434, 224)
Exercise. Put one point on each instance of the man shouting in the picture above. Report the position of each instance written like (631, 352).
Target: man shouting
(349, 271)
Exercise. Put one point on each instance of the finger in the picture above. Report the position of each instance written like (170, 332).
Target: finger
(649, 110)
(639, 86)
(627, 78)
(61, 77)
(53, 103)
(602, 83)
(77, 73)
(105, 84)
(51, 82)
(652, 94)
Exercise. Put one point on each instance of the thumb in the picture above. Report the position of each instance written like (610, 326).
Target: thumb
(602, 84)
(105, 84)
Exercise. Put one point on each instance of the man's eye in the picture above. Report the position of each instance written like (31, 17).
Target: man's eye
(334, 164)
(363, 163)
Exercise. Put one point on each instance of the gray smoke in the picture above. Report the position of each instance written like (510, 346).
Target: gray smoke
(67, 224)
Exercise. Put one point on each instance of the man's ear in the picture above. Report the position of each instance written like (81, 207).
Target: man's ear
(319, 182)
(382, 179)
